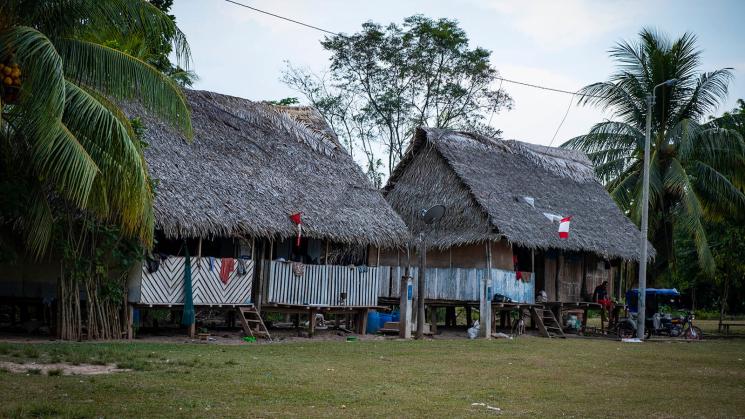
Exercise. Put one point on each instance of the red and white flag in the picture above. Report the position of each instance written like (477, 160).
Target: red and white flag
(564, 227)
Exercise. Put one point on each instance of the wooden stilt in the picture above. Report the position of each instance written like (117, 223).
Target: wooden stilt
(469, 316)
(362, 321)
(433, 320)
(311, 322)
(130, 322)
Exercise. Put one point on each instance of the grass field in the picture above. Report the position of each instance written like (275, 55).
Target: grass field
(441, 378)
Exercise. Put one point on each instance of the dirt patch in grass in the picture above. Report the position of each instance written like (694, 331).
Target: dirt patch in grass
(60, 368)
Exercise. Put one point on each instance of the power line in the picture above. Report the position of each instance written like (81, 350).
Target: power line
(284, 18)
(501, 79)
(562, 121)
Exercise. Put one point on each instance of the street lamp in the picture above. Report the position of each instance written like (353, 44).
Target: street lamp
(642, 314)
(429, 216)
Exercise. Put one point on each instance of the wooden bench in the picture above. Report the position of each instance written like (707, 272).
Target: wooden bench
(725, 326)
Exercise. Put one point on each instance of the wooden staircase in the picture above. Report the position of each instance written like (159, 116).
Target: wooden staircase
(547, 323)
(252, 323)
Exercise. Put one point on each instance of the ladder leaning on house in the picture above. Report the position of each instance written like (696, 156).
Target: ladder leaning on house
(252, 323)
(547, 323)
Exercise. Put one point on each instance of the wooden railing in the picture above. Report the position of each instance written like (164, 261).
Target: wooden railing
(323, 285)
(165, 286)
(462, 284)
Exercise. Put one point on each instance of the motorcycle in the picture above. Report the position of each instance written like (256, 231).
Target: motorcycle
(658, 323)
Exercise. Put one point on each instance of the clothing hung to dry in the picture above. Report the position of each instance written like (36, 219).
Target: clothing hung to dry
(226, 268)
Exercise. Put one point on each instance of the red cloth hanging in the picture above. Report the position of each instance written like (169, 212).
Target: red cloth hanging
(226, 268)
(298, 220)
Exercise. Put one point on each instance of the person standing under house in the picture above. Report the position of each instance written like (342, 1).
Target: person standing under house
(600, 296)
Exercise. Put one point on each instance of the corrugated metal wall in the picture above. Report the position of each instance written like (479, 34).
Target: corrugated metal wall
(462, 284)
(323, 285)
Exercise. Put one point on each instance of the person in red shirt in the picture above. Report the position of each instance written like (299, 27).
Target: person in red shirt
(600, 296)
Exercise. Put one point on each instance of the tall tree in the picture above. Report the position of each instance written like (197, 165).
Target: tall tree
(696, 169)
(58, 118)
(383, 82)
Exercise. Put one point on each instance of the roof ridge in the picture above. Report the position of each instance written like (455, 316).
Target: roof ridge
(261, 113)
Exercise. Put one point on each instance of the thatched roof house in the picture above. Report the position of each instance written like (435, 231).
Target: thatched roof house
(251, 165)
(496, 189)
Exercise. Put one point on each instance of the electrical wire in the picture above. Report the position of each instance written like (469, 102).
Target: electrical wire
(501, 79)
(284, 18)
(562, 121)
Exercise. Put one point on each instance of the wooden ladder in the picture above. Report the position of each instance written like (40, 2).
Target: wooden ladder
(547, 323)
(252, 323)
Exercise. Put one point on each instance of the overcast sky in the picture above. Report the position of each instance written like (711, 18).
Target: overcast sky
(561, 44)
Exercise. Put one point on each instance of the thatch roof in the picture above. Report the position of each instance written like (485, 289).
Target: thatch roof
(484, 183)
(251, 165)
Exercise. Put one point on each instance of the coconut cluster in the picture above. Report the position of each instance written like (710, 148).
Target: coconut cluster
(10, 73)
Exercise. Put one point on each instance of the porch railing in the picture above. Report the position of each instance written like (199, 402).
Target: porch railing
(165, 286)
(323, 285)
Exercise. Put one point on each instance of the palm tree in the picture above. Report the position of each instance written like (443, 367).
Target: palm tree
(696, 168)
(62, 133)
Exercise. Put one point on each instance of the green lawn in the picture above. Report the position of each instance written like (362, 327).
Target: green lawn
(441, 378)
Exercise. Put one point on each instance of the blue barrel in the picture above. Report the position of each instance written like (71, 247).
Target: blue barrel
(373, 322)
(384, 318)
(396, 316)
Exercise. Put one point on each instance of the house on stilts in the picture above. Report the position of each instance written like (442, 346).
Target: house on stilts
(503, 200)
(234, 196)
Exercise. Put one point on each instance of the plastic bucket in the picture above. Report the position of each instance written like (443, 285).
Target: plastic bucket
(373, 322)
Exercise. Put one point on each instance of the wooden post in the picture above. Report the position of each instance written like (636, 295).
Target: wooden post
(406, 294)
(485, 297)
(450, 317)
(469, 316)
(130, 321)
(362, 321)
(421, 291)
(433, 320)
(532, 261)
(559, 262)
(326, 259)
(264, 277)
(583, 287)
(311, 322)
(377, 262)
(193, 326)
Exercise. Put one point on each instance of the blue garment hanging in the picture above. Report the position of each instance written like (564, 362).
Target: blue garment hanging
(187, 319)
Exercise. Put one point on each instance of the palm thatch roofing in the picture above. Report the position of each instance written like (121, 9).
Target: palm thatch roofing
(496, 189)
(250, 165)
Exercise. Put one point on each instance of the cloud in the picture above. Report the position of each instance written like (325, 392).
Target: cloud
(538, 113)
(555, 25)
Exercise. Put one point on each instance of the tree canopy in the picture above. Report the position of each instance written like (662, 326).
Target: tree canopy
(65, 142)
(384, 81)
(696, 169)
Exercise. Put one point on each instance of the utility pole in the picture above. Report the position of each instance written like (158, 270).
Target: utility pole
(420, 317)
(642, 299)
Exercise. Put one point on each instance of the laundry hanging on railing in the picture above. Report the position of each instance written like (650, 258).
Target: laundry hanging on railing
(241, 267)
(226, 268)
(298, 269)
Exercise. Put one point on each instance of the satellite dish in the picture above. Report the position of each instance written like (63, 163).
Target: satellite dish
(433, 214)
